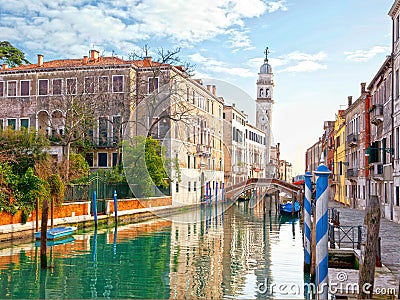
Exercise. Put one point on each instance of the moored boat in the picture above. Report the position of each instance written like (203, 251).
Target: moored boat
(57, 233)
(286, 208)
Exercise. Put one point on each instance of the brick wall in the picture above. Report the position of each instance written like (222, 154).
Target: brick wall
(65, 210)
(128, 204)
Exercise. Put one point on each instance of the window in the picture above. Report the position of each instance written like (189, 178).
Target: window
(189, 186)
(188, 162)
(25, 87)
(89, 158)
(1, 88)
(12, 123)
(71, 86)
(117, 129)
(89, 85)
(43, 87)
(177, 187)
(103, 131)
(57, 86)
(115, 158)
(153, 84)
(1, 124)
(118, 83)
(24, 123)
(194, 186)
(102, 159)
(11, 88)
(103, 84)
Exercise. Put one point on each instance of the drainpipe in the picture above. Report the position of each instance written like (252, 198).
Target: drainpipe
(392, 119)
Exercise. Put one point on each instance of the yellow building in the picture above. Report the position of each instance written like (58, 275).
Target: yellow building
(339, 159)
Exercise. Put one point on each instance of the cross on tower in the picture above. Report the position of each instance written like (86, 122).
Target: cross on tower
(266, 54)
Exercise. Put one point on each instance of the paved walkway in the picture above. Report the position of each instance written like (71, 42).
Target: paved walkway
(389, 233)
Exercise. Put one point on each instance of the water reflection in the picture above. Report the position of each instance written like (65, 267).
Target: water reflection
(210, 252)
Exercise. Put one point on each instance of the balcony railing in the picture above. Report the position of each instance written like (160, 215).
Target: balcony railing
(352, 139)
(377, 171)
(376, 114)
(352, 173)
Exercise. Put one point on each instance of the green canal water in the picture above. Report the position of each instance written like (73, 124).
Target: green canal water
(212, 252)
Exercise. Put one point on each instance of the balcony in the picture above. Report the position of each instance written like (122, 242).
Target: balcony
(352, 140)
(351, 173)
(203, 150)
(239, 170)
(377, 171)
(376, 114)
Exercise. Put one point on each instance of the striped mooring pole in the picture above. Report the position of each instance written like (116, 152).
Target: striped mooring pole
(321, 257)
(307, 221)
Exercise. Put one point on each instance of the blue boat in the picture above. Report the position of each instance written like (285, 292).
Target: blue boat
(61, 241)
(286, 208)
(57, 233)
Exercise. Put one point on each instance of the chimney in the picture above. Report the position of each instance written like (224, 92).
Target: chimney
(209, 88)
(85, 59)
(363, 87)
(147, 61)
(349, 100)
(214, 90)
(94, 55)
(4, 66)
(40, 60)
(233, 105)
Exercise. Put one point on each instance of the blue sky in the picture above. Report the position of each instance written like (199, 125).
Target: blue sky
(320, 51)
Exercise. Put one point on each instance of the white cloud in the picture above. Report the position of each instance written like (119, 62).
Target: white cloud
(364, 55)
(305, 66)
(214, 66)
(293, 62)
(58, 25)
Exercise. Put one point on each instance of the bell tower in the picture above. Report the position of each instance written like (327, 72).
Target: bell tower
(264, 103)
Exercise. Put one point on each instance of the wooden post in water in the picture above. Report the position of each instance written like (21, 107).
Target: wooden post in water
(293, 204)
(367, 267)
(43, 235)
(37, 214)
(270, 204)
(52, 212)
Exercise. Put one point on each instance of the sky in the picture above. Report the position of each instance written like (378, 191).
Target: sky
(320, 51)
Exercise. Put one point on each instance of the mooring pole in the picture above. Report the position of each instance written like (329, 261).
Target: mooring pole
(321, 263)
(223, 191)
(115, 207)
(216, 192)
(43, 235)
(307, 222)
(95, 209)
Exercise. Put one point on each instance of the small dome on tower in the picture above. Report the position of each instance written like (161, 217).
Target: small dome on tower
(266, 67)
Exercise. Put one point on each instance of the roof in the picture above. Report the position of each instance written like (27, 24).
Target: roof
(80, 62)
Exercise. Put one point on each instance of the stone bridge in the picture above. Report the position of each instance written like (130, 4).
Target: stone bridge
(270, 185)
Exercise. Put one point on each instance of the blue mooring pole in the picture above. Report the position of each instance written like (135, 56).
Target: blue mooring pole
(223, 191)
(115, 207)
(207, 192)
(95, 208)
(321, 257)
(307, 222)
(216, 192)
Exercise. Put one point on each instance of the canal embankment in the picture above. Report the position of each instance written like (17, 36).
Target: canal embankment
(14, 231)
(387, 276)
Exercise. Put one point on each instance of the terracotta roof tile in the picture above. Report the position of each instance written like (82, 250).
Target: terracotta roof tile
(78, 62)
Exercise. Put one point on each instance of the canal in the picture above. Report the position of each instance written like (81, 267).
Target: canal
(212, 252)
